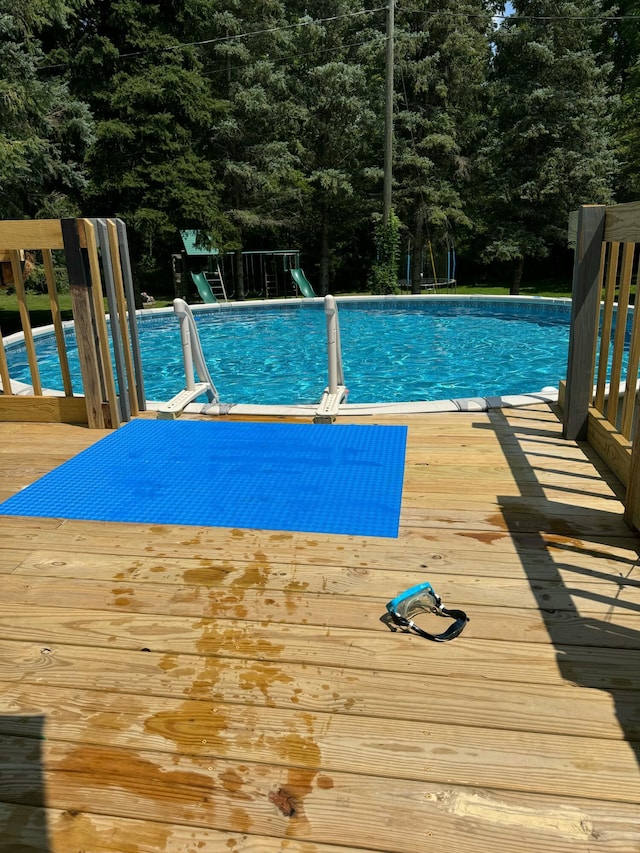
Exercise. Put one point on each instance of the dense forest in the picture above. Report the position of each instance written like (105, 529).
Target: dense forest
(261, 124)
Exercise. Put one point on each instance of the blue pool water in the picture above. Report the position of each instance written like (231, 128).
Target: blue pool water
(395, 351)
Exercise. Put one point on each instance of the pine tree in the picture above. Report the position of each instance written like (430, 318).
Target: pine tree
(549, 143)
(152, 161)
(339, 88)
(254, 136)
(43, 131)
(622, 44)
(441, 64)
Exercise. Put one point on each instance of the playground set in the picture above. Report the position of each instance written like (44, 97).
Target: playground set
(268, 274)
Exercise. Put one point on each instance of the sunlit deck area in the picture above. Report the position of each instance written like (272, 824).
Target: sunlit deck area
(235, 691)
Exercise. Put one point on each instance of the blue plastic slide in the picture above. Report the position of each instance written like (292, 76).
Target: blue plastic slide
(304, 286)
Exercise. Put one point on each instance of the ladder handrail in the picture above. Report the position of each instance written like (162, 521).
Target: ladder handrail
(192, 350)
(334, 349)
(336, 392)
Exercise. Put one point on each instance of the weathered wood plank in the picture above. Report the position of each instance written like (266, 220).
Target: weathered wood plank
(348, 686)
(28, 526)
(43, 409)
(436, 752)
(56, 318)
(623, 222)
(612, 254)
(379, 648)
(287, 607)
(551, 709)
(102, 334)
(25, 321)
(10, 560)
(610, 444)
(550, 588)
(88, 355)
(61, 831)
(31, 234)
(53, 438)
(206, 543)
(585, 290)
(326, 808)
(374, 578)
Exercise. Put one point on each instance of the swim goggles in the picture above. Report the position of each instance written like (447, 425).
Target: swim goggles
(423, 599)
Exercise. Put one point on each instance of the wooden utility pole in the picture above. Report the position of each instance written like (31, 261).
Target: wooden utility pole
(388, 115)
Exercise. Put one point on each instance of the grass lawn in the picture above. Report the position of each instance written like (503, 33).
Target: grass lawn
(38, 304)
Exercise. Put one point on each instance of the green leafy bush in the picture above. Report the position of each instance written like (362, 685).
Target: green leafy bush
(384, 275)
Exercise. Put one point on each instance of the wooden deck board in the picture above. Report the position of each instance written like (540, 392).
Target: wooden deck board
(331, 808)
(180, 688)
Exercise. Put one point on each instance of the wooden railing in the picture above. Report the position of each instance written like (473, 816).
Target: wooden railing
(96, 258)
(600, 398)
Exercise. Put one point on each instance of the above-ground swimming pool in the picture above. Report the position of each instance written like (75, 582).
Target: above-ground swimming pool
(394, 350)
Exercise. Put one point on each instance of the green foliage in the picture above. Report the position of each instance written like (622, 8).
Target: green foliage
(261, 123)
(549, 147)
(340, 91)
(442, 57)
(384, 274)
(623, 46)
(152, 162)
(44, 132)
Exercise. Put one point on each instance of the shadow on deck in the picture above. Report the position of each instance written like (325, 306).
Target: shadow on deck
(22, 786)
(612, 647)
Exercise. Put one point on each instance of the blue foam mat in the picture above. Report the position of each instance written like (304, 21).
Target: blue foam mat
(318, 478)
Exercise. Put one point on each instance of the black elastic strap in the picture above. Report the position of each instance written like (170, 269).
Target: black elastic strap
(452, 631)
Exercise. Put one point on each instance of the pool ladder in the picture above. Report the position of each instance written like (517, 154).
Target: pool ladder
(191, 354)
(334, 394)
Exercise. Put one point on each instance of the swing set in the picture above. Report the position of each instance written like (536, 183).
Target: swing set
(437, 267)
(268, 273)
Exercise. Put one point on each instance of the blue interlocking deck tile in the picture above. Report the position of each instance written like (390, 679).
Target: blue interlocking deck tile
(316, 478)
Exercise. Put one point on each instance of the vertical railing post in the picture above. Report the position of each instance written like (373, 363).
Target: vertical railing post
(632, 498)
(125, 265)
(586, 291)
(81, 305)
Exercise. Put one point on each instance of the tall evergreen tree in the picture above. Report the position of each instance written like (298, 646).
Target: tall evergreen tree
(442, 57)
(623, 46)
(152, 161)
(337, 74)
(44, 131)
(254, 137)
(549, 143)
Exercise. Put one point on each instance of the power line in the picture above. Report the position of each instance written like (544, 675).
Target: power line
(235, 37)
(595, 18)
(315, 21)
(210, 70)
(516, 17)
(262, 32)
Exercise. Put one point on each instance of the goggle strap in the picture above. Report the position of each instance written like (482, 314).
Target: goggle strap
(452, 631)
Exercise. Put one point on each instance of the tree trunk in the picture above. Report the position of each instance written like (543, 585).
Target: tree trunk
(239, 282)
(417, 247)
(517, 277)
(324, 252)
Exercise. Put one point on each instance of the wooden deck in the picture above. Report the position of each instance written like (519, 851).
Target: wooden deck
(234, 691)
